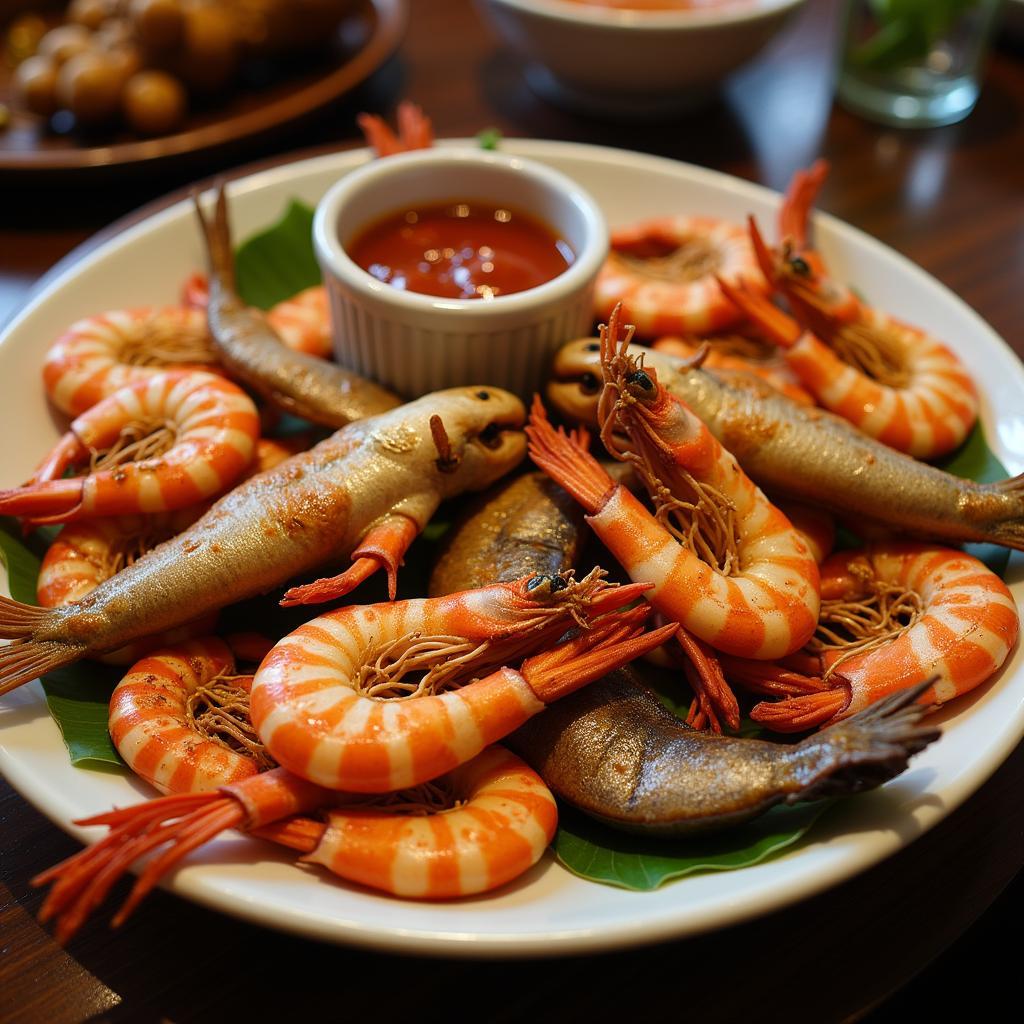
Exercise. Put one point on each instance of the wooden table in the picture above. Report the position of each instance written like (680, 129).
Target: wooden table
(953, 200)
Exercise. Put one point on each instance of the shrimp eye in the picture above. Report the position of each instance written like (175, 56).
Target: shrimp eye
(536, 582)
(800, 266)
(558, 583)
(641, 379)
(594, 346)
(589, 384)
(490, 436)
(483, 395)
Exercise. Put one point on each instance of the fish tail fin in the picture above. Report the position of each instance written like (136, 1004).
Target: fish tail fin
(27, 658)
(868, 748)
(217, 235)
(1007, 526)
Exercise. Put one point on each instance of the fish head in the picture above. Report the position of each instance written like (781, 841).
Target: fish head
(477, 434)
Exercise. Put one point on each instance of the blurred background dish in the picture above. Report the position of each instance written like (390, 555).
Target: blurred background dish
(610, 60)
(191, 93)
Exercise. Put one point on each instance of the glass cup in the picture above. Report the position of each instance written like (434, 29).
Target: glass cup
(914, 63)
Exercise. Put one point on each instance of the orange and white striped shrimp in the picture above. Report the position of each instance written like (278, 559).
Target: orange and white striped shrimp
(508, 814)
(98, 355)
(663, 272)
(315, 698)
(153, 719)
(893, 615)
(724, 561)
(920, 401)
(192, 433)
(478, 827)
(733, 357)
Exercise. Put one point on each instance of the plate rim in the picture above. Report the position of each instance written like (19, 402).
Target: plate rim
(545, 942)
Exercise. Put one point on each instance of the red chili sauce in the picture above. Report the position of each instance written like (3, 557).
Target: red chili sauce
(461, 250)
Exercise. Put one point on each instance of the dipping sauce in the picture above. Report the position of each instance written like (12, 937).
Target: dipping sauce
(461, 250)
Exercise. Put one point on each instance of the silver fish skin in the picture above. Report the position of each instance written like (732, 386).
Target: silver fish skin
(616, 753)
(294, 382)
(311, 509)
(809, 454)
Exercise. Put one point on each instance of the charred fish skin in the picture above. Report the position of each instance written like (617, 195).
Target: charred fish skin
(297, 383)
(810, 454)
(523, 526)
(615, 752)
(314, 507)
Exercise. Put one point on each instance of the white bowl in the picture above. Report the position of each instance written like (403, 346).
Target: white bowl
(620, 62)
(416, 343)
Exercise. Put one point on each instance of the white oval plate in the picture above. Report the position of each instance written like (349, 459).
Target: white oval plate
(548, 910)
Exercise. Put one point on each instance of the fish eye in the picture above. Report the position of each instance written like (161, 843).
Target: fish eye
(558, 583)
(535, 582)
(490, 436)
(799, 266)
(594, 346)
(483, 395)
(589, 384)
(641, 379)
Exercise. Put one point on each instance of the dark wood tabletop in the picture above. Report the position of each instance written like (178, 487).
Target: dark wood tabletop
(951, 199)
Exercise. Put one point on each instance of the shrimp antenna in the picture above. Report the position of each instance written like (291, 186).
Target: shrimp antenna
(447, 460)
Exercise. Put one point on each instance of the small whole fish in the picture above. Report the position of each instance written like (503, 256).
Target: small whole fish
(613, 750)
(810, 454)
(293, 382)
(366, 491)
(518, 528)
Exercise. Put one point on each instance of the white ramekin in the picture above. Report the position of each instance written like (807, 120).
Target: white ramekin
(417, 343)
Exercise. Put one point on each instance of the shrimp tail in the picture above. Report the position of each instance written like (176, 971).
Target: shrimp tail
(50, 501)
(384, 546)
(28, 658)
(1009, 531)
(868, 748)
(217, 234)
(564, 457)
(611, 642)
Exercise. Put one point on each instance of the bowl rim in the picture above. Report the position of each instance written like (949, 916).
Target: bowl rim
(569, 12)
(336, 261)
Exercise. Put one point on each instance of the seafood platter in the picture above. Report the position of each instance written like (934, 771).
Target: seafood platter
(682, 534)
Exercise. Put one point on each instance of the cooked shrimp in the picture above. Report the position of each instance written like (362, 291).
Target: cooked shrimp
(192, 433)
(663, 273)
(815, 525)
(153, 719)
(315, 698)
(923, 404)
(733, 357)
(96, 356)
(725, 562)
(414, 131)
(796, 267)
(893, 615)
(515, 618)
(496, 820)
(303, 322)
